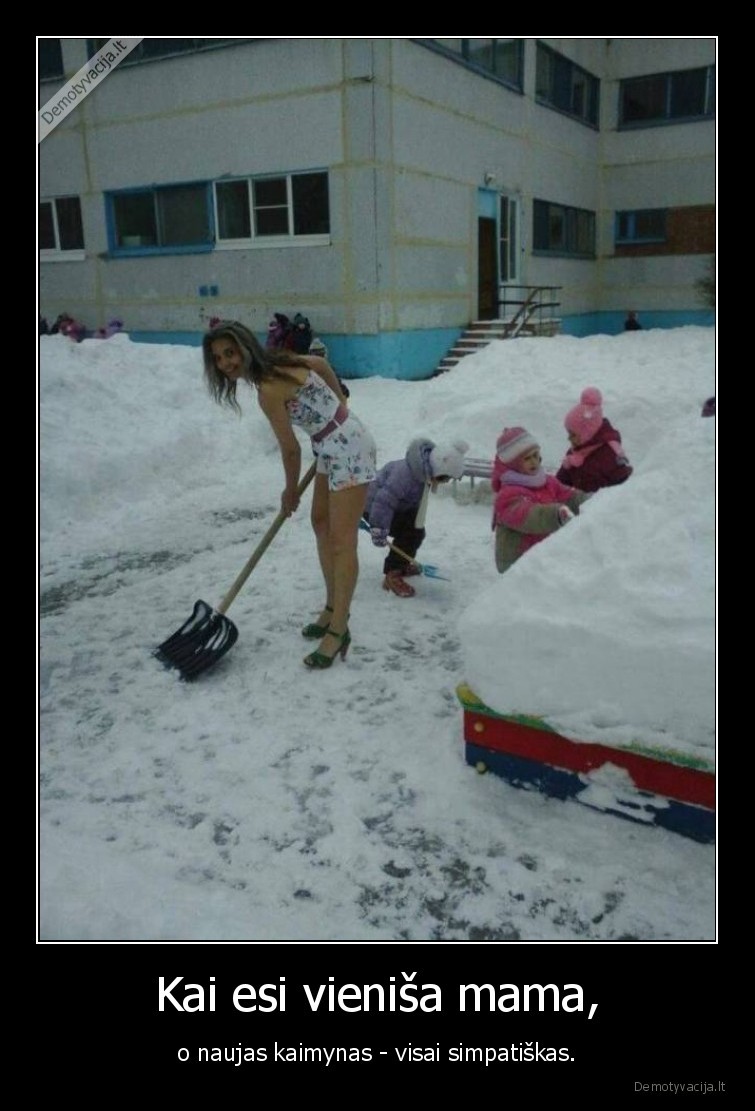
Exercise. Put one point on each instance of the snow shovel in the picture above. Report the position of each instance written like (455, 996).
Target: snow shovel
(426, 569)
(208, 634)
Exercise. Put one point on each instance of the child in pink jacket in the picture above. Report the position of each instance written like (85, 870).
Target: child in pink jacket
(529, 504)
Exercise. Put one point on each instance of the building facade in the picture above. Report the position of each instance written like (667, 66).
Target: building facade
(391, 190)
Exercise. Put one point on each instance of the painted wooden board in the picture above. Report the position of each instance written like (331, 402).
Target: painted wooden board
(643, 783)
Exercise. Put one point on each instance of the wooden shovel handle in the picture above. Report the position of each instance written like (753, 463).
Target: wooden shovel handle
(263, 545)
(365, 525)
(408, 558)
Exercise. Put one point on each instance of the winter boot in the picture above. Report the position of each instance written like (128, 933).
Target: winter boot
(394, 581)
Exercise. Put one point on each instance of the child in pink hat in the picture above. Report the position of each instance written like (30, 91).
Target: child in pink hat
(596, 457)
(529, 504)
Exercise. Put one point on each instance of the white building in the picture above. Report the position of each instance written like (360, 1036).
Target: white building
(391, 190)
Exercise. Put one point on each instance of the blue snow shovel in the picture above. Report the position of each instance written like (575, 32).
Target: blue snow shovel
(426, 569)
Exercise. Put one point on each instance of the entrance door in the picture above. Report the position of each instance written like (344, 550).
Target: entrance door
(487, 268)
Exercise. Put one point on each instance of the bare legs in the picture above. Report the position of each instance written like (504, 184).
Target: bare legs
(321, 526)
(335, 520)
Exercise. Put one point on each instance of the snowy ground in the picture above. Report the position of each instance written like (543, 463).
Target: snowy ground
(265, 802)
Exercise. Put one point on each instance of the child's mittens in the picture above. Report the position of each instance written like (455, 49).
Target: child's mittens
(379, 537)
(564, 514)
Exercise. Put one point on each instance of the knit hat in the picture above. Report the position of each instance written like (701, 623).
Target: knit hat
(513, 442)
(448, 459)
(586, 418)
(317, 347)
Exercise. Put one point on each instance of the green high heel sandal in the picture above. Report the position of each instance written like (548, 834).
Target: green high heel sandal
(317, 632)
(319, 661)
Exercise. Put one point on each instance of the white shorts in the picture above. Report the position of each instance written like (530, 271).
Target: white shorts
(348, 456)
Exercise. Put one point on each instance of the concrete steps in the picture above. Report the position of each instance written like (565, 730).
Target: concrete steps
(482, 332)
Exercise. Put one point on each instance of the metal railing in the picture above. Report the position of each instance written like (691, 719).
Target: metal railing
(533, 302)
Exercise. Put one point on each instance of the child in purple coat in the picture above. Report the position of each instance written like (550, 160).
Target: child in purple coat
(397, 503)
(529, 504)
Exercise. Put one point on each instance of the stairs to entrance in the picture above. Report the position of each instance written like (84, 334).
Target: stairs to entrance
(529, 315)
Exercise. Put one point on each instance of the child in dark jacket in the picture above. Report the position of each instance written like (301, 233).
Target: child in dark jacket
(65, 325)
(530, 504)
(596, 457)
(397, 503)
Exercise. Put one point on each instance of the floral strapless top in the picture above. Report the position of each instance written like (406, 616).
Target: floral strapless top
(313, 405)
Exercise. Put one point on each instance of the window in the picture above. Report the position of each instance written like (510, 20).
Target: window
(61, 231)
(234, 209)
(290, 205)
(309, 194)
(563, 85)
(501, 58)
(686, 95)
(560, 230)
(271, 206)
(171, 217)
(196, 217)
(148, 49)
(50, 59)
(508, 239)
(687, 230)
(644, 225)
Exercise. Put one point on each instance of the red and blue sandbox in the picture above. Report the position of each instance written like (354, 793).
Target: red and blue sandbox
(639, 782)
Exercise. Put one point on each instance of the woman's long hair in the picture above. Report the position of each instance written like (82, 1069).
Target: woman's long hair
(260, 364)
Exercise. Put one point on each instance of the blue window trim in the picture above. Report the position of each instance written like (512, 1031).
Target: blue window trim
(632, 238)
(136, 252)
(455, 56)
(115, 251)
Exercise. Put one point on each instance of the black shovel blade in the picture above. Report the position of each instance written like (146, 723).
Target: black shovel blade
(199, 643)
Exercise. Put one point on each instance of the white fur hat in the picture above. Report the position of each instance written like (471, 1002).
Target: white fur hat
(317, 347)
(448, 459)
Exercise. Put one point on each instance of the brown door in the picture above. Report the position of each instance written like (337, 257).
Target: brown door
(487, 269)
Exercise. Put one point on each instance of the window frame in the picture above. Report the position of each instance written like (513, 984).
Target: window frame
(509, 233)
(54, 72)
(664, 120)
(461, 57)
(59, 253)
(261, 241)
(136, 57)
(119, 250)
(547, 100)
(209, 191)
(632, 236)
(571, 226)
